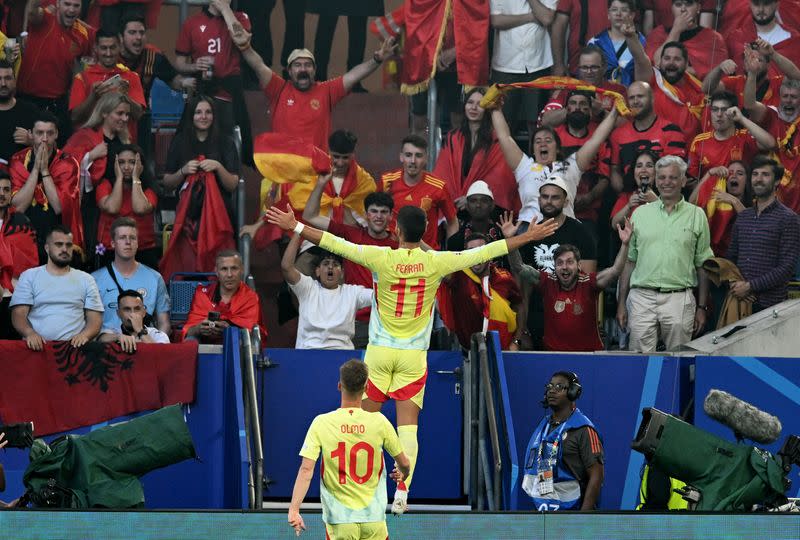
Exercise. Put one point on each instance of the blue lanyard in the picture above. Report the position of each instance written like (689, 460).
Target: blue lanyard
(554, 450)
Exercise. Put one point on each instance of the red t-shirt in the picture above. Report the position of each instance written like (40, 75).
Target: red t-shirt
(590, 177)
(736, 14)
(701, 46)
(570, 317)
(707, 152)
(206, 35)
(50, 53)
(145, 224)
(662, 10)
(430, 194)
(355, 274)
(663, 137)
(304, 114)
(768, 92)
(736, 41)
(596, 22)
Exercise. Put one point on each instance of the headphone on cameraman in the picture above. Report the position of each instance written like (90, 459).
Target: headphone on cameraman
(574, 390)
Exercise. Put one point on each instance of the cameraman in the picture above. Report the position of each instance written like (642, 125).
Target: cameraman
(131, 311)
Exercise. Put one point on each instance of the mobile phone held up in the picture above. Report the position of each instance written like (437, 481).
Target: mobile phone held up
(213, 316)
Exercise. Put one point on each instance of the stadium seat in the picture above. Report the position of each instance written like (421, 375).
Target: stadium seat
(181, 291)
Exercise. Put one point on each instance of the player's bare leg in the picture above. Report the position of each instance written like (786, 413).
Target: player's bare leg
(407, 422)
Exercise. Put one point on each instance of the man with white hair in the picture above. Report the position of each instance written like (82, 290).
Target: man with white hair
(670, 243)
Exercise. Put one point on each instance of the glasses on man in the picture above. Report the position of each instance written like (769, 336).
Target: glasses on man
(590, 69)
(558, 387)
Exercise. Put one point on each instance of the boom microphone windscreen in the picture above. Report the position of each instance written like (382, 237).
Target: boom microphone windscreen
(743, 418)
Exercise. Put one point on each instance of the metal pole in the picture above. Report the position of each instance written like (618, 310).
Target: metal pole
(433, 123)
(492, 419)
(472, 404)
(249, 380)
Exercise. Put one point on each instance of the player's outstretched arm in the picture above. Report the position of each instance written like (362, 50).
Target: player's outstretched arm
(287, 222)
(301, 484)
(535, 232)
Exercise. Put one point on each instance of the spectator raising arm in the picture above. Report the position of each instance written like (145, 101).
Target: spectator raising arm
(508, 145)
(311, 211)
(364, 69)
(764, 139)
(290, 272)
(606, 277)
(588, 151)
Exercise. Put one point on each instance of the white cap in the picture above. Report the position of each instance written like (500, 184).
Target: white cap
(555, 180)
(479, 187)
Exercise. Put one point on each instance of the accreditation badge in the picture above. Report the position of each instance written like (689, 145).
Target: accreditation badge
(543, 483)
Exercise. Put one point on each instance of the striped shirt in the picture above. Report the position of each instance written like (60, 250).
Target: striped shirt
(766, 247)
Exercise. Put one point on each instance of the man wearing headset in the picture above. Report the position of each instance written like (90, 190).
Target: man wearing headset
(564, 459)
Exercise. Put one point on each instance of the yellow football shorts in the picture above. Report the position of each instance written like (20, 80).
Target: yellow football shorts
(374, 530)
(398, 374)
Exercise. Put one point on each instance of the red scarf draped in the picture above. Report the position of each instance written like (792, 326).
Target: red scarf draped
(21, 242)
(81, 143)
(6, 265)
(720, 215)
(66, 176)
(487, 165)
(244, 309)
(194, 243)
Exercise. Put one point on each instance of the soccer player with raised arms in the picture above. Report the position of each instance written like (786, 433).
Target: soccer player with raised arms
(406, 280)
(353, 483)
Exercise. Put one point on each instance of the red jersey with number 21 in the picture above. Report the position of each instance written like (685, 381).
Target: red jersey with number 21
(205, 35)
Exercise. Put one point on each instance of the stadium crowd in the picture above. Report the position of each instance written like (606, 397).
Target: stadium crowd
(660, 138)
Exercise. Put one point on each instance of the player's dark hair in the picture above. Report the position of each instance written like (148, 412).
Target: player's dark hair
(5, 64)
(412, 222)
(353, 376)
(129, 293)
(415, 140)
(122, 222)
(342, 141)
(762, 160)
(379, 198)
(105, 33)
(4, 175)
(131, 17)
(567, 248)
(45, 117)
(724, 95)
(676, 45)
(63, 229)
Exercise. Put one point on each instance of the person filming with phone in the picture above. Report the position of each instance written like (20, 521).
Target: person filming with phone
(132, 328)
(228, 302)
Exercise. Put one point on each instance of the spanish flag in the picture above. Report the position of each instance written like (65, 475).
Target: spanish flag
(720, 214)
(496, 91)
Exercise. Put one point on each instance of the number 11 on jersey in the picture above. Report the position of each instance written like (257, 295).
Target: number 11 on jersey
(400, 289)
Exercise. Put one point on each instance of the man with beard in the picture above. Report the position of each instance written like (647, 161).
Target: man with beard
(54, 302)
(146, 60)
(574, 134)
(228, 302)
(783, 39)
(105, 76)
(775, 118)
(327, 308)
(726, 143)
(16, 115)
(45, 184)
(56, 41)
(302, 107)
(18, 236)
(669, 244)
(553, 198)
(703, 45)
(592, 67)
(379, 206)
(411, 185)
(569, 295)
(647, 130)
(765, 243)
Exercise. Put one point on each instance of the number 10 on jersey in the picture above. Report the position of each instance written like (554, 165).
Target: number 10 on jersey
(348, 461)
